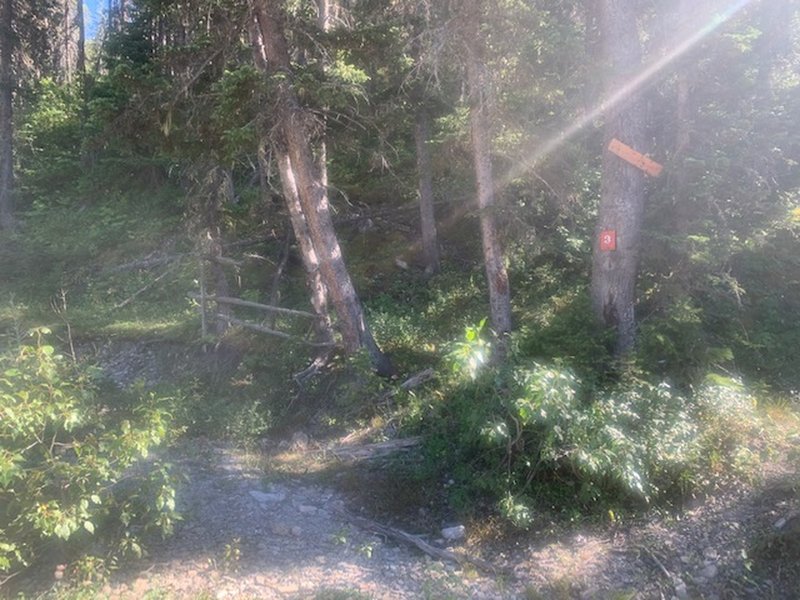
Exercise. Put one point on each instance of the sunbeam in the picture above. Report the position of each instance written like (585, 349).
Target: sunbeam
(545, 148)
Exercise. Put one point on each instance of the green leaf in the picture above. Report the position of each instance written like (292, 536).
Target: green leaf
(88, 526)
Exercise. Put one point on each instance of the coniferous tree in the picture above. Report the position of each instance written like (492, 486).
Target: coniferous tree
(294, 127)
(480, 130)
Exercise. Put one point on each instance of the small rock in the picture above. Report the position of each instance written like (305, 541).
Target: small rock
(709, 572)
(296, 531)
(680, 590)
(456, 532)
(710, 553)
(280, 529)
(300, 441)
(307, 509)
(780, 523)
(265, 498)
(686, 559)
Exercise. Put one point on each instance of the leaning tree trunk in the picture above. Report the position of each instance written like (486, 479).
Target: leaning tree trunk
(430, 241)
(615, 267)
(323, 326)
(493, 255)
(319, 293)
(7, 221)
(292, 123)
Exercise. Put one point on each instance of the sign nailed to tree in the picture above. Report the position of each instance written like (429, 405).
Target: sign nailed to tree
(608, 240)
(637, 159)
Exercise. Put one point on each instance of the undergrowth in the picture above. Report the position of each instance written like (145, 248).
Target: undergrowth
(78, 469)
(535, 434)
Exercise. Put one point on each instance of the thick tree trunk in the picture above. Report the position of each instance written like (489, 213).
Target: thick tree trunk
(493, 256)
(7, 221)
(430, 241)
(614, 271)
(292, 123)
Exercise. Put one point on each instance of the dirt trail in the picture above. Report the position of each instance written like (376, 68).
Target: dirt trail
(249, 532)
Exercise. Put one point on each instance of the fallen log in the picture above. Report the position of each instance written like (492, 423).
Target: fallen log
(268, 331)
(416, 541)
(376, 450)
(258, 305)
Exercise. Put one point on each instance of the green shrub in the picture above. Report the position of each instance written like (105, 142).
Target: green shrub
(507, 436)
(70, 463)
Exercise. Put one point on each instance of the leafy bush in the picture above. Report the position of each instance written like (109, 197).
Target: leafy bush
(506, 435)
(71, 465)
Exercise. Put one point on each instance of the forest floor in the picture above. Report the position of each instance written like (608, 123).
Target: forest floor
(291, 522)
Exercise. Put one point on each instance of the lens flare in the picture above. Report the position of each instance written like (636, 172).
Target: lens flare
(648, 73)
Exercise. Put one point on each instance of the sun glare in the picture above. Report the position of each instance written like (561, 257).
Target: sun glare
(678, 48)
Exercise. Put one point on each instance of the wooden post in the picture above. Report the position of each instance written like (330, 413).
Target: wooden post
(203, 324)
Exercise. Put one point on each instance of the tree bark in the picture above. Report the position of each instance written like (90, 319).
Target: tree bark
(430, 241)
(7, 220)
(213, 190)
(292, 123)
(493, 254)
(614, 271)
(64, 65)
(323, 327)
(80, 22)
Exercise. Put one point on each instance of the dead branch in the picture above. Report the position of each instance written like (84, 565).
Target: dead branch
(143, 289)
(268, 331)
(417, 380)
(252, 241)
(224, 261)
(248, 304)
(145, 263)
(409, 384)
(346, 452)
(414, 540)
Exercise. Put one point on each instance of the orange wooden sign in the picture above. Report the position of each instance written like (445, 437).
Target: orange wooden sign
(637, 159)
(608, 240)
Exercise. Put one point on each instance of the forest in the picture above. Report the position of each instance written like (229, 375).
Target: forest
(344, 299)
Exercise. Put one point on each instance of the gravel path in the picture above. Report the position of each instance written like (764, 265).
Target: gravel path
(250, 533)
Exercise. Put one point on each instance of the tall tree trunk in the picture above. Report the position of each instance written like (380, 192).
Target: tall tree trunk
(65, 66)
(493, 255)
(213, 189)
(7, 221)
(292, 122)
(430, 242)
(614, 271)
(676, 20)
(592, 48)
(80, 65)
(323, 326)
(324, 24)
